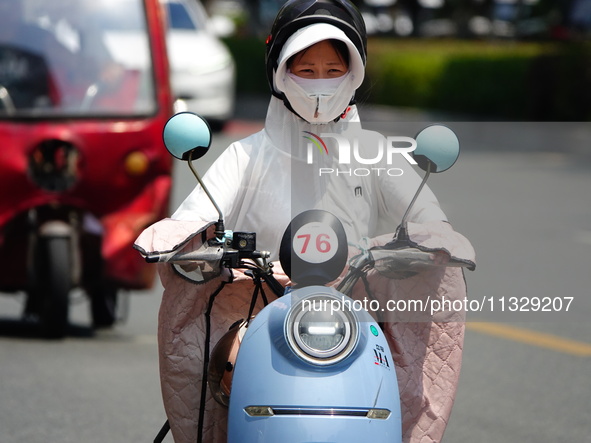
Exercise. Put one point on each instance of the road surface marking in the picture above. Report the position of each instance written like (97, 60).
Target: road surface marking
(533, 338)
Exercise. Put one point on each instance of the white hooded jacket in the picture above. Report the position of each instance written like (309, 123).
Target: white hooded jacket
(261, 182)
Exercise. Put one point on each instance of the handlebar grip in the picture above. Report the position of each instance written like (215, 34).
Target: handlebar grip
(206, 254)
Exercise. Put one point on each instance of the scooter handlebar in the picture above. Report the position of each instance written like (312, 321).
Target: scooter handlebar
(404, 262)
(209, 254)
(402, 257)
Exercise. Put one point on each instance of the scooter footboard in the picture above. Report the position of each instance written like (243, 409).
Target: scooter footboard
(278, 396)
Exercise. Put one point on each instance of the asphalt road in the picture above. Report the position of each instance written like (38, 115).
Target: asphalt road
(520, 192)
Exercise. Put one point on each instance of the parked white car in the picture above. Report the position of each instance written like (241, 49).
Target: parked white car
(202, 68)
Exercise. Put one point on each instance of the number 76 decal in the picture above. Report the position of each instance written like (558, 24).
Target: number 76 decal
(315, 243)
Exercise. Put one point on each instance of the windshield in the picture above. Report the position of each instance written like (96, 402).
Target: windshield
(74, 57)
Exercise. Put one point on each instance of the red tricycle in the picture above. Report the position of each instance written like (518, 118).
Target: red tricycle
(84, 94)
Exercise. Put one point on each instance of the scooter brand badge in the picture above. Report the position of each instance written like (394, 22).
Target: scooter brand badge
(381, 357)
(315, 243)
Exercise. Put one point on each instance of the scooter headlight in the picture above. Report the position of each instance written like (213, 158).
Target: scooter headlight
(320, 330)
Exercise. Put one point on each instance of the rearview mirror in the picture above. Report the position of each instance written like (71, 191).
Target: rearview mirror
(187, 136)
(437, 149)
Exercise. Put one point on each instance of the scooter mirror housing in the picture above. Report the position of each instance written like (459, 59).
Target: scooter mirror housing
(437, 146)
(187, 136)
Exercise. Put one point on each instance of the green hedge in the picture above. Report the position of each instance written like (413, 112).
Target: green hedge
(494, 80)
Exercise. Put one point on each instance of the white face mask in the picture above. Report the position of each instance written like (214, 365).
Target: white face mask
(319, 100)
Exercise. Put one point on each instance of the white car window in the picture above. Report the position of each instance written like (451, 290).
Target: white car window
(179, 17)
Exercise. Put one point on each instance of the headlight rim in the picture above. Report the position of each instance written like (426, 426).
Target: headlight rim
(321, 358)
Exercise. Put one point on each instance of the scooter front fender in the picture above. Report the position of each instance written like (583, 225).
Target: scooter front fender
(278, 396)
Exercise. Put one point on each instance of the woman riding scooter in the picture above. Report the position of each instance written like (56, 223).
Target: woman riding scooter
(315, 61)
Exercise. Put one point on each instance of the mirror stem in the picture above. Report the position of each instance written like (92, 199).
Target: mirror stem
(414, 199)
(219, 227)
(401, 236)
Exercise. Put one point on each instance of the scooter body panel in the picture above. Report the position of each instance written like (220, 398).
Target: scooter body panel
(312, 403)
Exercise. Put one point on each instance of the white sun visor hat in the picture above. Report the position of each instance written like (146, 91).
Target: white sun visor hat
(310, 35)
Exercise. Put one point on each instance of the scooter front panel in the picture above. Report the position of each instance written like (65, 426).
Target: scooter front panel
(278, 396)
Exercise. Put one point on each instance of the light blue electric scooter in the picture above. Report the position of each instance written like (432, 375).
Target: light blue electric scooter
(311, 367)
